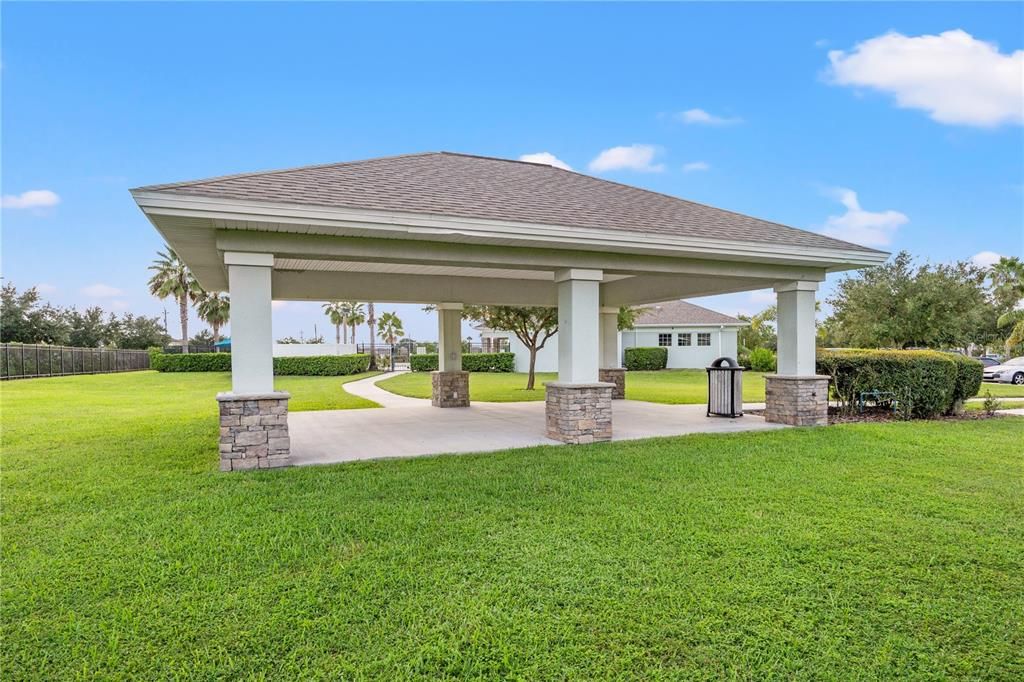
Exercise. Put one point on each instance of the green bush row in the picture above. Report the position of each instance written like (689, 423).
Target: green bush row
(646, 358)
(471, 362)
(315, 365)
(322, 365)
(190, 362)
(925, 383)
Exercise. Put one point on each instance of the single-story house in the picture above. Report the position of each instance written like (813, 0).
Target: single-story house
(694, 336)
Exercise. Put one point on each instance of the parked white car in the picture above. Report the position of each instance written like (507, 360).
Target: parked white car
(1010, 372)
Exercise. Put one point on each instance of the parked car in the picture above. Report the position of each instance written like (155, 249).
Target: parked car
(993, 356)
(988, 361)
(1010, 372)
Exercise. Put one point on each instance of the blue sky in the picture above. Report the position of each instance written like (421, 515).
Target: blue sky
(898, 125)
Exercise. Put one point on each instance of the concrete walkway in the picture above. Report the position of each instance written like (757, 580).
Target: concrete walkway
(415, 428)
(368, 388)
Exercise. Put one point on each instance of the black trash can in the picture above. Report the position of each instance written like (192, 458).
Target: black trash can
(725, 388)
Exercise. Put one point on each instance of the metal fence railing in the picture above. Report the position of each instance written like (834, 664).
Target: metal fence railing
(26, 361)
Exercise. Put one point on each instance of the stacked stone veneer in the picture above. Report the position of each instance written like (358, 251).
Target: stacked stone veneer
(449, 389)
(579, 413)
(254, 431)
(797, 401)
(616, 377)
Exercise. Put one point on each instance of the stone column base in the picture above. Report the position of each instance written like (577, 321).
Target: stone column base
(615, 376)
(449, 389)
(797, 401)
(254, 430)
(579, 413)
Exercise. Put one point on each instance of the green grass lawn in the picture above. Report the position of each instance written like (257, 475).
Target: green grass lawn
(107, 393)
(1002, 390)
(1007, 404)
(872, 551)
(673, 386)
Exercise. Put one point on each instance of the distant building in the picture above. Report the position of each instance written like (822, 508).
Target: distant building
(693, 335)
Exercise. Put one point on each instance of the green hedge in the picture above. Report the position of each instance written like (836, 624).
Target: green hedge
(471, 362)
(646, 358)
(969, 373)
(423, 362)
(322, 365)
(926, 383)
(315, 365)
(190, 362)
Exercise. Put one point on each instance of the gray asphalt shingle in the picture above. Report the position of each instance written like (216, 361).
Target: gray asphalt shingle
(446, 183)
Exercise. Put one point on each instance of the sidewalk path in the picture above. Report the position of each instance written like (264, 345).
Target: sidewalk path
(367, 388)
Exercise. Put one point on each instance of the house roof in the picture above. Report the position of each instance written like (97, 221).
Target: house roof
(462, 185)
(682, 313)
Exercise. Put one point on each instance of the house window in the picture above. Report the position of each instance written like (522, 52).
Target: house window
(684, 339)
(664, 339)
(703, 338)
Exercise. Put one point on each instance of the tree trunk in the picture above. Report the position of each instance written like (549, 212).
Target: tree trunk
(344, 330)
(183, 312)
(371, 321)
(216, 335)
(532, 374)
(337, 334)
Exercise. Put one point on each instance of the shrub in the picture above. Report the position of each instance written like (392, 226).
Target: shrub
(762, 360)
(471, 362)
(322, 365)
(646, 358)
(316, 365)
(969, 373)
(190, 362)
(926, 383)
(423, 362)
(489, 362)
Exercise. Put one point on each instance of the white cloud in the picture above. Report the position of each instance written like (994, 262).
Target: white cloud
(45, 288)
(985, 258)
(859, 226)
(701, 117)
(637, 157)
(33, 198)
(766, 296)
(696, 166)
(953, 76)
(546, 158)
(99, 290)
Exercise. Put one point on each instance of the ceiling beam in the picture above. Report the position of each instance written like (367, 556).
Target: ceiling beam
(424, 252)
(299, 285)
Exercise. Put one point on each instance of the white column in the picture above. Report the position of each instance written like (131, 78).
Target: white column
(610, 356)
(796, 328)
(579, 293)
(252, 344)
(449, 337)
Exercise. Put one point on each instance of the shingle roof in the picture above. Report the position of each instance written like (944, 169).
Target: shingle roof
(682, 312)
(446, 183)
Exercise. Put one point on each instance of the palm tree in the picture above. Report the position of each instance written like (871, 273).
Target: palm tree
(390, 328)
(1008, 290)
(215, 310)
(336, 314)
(352, 310)
(371, 322)
(172, 278)
(356, 316)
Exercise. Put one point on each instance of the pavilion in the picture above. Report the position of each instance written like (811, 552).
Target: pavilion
(455, 229)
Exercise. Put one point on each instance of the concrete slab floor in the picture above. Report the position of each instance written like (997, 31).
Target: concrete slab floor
(415, 428)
